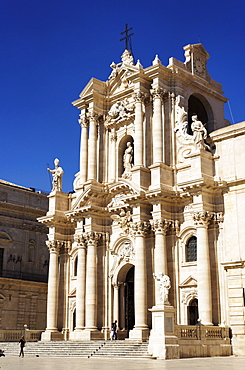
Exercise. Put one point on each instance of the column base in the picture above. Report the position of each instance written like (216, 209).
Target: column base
(51, 335)
(139, 334)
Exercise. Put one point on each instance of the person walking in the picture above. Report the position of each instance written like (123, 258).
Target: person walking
(114, 330)
(22, 343)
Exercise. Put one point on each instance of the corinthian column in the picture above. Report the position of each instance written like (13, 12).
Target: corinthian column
(92, 165)
(80, 291)
(139, 138)
(91, 282)
(160, 228)
(201, 220)
(158, 137)
(113, 138)
(52, 301)
(84, 150)
(116, 303)
(140, 330)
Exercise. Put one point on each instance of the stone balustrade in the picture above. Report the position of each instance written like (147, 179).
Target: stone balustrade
(14, 335)
(201, 332)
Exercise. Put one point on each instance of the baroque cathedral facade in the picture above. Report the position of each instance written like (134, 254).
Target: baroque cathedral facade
(155, 219)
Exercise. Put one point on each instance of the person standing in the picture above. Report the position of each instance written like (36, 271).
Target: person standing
(22, 343)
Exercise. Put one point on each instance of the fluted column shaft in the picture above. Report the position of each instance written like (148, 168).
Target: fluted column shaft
(92, 169)
(122, 305)
(80, 292)
(113, 138)
(52, 300)
(116, 303)
(157, 125)
(140, 282)
(84, 150)
(203, 268)
(160, 253)
(139, 134)
(91, 271)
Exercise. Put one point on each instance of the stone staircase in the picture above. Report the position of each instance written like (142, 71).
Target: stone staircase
(96, 348)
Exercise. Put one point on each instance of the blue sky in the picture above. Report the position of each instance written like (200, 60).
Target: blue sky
(50, 49)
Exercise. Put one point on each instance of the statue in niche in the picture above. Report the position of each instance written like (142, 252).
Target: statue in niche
(199, 133)
(128, 160)
(57, 174)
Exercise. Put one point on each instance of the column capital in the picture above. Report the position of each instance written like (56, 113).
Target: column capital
(83, 121)
(139, 96)
(158, 93)
(80, 240)
(113, 136)
(160, 226)
(92, 237)
(140, 228)
(93, 116)
(202, 218)
(54, 246)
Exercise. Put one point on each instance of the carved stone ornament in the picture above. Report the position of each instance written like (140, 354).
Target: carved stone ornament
(165, 285)
(127, 251)
(117, 201)
(123, 219)
(120, 111)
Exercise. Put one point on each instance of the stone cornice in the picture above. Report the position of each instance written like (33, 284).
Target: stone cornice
(35, 227)
(228, 132)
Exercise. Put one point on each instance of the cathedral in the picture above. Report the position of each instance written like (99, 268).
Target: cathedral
(152, 234)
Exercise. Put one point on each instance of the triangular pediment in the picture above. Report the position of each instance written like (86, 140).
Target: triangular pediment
(122, 80)
(196, 49)
(189, 282)
(93, 86)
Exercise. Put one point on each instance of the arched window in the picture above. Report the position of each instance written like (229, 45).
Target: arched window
(31, 251)
(191, 249)
(75, 266)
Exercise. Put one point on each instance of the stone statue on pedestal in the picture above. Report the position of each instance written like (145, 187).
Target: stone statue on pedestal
(57, 174)
(127, 160)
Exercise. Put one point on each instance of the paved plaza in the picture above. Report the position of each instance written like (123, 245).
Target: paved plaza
(75, 363)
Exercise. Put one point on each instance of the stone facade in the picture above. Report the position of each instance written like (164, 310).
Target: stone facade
(155, 220)
(23, 258)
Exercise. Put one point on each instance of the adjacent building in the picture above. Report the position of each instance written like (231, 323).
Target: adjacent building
(23, 258)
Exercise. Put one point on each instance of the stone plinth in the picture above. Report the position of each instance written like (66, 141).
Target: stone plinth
(162, 342)
(51, 335)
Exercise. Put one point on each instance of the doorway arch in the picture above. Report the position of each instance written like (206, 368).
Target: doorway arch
(192, 312)
(129, 300)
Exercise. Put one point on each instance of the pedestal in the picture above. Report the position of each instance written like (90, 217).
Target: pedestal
(162, 342)
(51, 335)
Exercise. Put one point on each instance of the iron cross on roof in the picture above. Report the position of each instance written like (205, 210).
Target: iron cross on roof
(127, 36)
